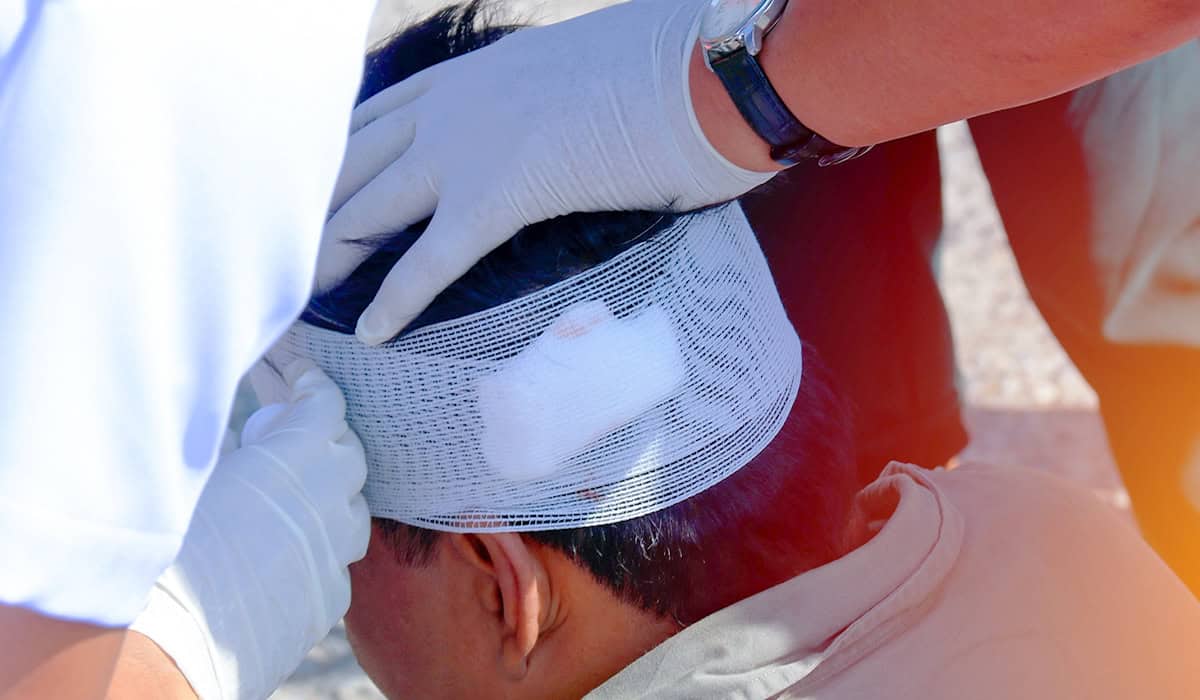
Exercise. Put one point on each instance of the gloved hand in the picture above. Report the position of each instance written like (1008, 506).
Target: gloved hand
(261, 576)
(592, 114)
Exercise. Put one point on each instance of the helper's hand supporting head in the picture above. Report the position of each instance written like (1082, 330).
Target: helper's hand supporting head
(592, 114)
(533, 613)
(261, 576)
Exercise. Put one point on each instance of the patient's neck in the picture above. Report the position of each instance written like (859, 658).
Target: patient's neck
(597, 636)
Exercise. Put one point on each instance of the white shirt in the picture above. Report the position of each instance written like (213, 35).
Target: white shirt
(164, 174)
(1138, 137)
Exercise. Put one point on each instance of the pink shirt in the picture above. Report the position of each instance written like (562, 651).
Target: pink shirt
(979, 583)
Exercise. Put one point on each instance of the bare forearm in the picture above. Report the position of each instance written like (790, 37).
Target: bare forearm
(145, 671)
(866, 71)
(48, 658)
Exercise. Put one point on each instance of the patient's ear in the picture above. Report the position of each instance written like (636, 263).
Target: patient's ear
(514, 586)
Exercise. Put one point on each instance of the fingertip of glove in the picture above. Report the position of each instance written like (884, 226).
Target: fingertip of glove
(268, 383)
(306, 380)
(349, 441)
(375, 326)
(261, 423)
(296, 370)
(362, 535)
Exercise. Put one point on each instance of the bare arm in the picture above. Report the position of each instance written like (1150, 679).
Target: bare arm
(867, 71)
(145, 671)
(49, 658)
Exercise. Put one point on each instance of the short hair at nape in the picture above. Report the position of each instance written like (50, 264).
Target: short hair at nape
(780, 515)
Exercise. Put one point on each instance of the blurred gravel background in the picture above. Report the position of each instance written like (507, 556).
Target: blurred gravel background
(1026, 403)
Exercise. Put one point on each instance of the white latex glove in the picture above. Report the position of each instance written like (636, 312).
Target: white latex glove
(262, 574)
(592, 114)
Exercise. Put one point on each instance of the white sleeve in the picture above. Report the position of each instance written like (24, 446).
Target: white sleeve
(1141, 147)
(165, 170)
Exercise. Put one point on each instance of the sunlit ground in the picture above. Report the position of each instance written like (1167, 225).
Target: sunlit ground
(1025, 402)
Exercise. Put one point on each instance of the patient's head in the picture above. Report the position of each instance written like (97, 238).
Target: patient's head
(555, 613)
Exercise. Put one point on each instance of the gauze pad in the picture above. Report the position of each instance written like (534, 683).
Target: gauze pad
(587, 375)
(614, 393)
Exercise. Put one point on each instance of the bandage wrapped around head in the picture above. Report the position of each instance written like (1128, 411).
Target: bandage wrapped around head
(615, 393)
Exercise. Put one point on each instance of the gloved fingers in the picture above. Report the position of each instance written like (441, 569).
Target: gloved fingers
(268, 383)
(370, 151)
(359, 534)
(348, 531)
(331, 471)
(317, 405)
(263, 423)
(390, 99)
(441, 255)
(293, 371)
(403, 194)
(347, 534)
(274, 393)
(352, 463)
(337, 600)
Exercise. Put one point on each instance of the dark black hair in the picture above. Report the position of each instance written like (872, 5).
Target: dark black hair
(780, 515)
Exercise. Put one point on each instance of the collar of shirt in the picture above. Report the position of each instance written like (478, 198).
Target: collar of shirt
(813, 626)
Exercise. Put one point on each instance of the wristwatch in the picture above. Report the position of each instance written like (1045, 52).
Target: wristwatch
(731, 36)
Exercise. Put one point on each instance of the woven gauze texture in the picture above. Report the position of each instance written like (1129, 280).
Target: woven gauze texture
(615, 393)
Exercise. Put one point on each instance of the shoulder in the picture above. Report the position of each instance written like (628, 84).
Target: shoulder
(1055, 562)
(1005, 491)
(1053, 594)
(1030, 513)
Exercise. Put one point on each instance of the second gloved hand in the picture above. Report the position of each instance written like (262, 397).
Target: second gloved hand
(592, 114)
(262, 576)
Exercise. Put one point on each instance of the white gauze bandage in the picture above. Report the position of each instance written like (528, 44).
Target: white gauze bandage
(609, 395)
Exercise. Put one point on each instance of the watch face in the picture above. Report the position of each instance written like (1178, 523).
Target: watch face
(726, 17)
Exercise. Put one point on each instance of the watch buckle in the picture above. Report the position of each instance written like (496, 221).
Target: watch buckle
(842, 156)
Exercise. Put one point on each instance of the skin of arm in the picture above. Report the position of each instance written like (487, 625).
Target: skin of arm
(866, 71)
(49, 658)
(145, 671)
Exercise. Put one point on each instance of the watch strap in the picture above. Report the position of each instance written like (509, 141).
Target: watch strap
(762, 108)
